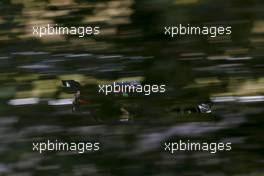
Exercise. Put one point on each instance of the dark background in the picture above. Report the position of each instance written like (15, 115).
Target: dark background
(226, 70)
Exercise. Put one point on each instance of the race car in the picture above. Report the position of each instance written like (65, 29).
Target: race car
(120, 101)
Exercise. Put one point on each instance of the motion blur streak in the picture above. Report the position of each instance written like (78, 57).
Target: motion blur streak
(23, 101)
(60, 102)
(225, 71)
(243, 99)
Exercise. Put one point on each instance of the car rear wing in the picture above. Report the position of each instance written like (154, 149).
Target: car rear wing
(71, 86)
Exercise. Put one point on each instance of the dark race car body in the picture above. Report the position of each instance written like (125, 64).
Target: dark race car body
(122, 104)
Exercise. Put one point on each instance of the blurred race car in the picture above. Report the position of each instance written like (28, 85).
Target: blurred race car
(119, 102)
